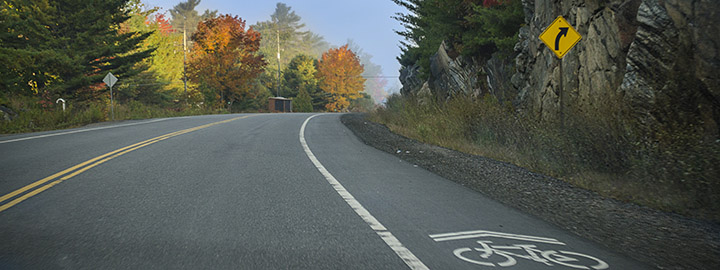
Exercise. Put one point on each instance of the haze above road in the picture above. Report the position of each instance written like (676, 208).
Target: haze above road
(367, 23)
(255, 191)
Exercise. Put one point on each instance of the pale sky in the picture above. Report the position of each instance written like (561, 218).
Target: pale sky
(367, 22)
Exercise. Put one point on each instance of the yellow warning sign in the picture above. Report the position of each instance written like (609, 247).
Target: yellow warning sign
(560, 37)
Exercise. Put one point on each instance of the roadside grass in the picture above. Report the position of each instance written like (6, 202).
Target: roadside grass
(675, 173)
(32, 117)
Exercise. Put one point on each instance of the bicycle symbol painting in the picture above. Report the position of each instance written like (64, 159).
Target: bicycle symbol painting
(487, 253)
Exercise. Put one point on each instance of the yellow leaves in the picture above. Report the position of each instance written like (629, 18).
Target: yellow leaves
(339, 104)
(33, 86)
(339, 73)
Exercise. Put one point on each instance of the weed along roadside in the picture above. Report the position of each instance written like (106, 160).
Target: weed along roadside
(34, 118)
(593, 155)
(664, 239)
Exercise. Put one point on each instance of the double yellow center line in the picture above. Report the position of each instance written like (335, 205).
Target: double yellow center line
(42, 184)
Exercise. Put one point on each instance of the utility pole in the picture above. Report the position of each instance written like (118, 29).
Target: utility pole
(278, 59)
(184, 64)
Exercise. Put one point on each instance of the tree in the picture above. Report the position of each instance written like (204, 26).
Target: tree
(339, 72)
(299, 74)
(64, 48)
(184, 16)
(495, 26)
(225, 58)
(467, 27)
(286, 30)
(303, 102)
(162, 81)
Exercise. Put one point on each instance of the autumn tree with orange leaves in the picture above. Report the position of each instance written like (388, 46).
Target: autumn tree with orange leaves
(339, 73)
(225, 58)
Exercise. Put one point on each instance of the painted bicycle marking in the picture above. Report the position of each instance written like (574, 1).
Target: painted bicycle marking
(487, 253)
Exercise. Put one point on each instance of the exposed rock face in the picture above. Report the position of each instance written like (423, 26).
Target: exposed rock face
(642, 61)
(592, 70)
(673, 66)
(449, 77)
(649, 59)
(410, 79)
(459, 75)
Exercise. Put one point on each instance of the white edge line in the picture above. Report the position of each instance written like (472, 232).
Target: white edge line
(81, 130)
(405, 254)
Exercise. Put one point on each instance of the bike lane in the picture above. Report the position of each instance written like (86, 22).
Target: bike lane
(446, 225)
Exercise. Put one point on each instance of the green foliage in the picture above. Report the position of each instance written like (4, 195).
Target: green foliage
(64, 48)
(467, 27)
(162, 78)
(493, 29)
(33, 116)
(303, 102)
(300, 73)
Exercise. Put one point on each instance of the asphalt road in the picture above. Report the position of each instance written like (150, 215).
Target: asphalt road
(253, 192)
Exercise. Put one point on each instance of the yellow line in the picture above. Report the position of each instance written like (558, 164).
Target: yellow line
(82, 167)
(46, 179)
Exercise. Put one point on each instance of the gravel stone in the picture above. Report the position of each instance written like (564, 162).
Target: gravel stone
(665, 240)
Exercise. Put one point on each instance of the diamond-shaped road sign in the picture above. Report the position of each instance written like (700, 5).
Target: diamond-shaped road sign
(560, 37)
(110, 79)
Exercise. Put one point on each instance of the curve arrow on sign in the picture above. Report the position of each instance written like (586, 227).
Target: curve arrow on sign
(563, 32)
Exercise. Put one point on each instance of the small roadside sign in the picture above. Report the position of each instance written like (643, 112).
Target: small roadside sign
(110, 79)
(560, 37)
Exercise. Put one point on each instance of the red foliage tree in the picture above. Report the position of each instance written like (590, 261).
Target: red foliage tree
(225, 58)
(163, 24)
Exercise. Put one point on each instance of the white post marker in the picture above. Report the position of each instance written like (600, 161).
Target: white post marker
(63, 101)
(110, 80)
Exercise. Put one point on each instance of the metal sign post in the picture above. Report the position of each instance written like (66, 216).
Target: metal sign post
(110, 80)
(560, 37)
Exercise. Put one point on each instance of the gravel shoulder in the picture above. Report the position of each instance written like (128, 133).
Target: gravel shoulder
(665, 240)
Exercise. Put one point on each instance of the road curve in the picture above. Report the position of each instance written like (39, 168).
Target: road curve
(252, 191)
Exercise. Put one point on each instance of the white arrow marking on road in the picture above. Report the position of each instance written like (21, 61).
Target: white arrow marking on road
(482, 233)
(405, 254)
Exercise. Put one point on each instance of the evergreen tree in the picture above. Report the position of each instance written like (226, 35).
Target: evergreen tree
(65, 47)
(474, 28)
(185, 18)
(27, 59)
(303, 102)
(286, 29)
(300, 73)
(163, 80)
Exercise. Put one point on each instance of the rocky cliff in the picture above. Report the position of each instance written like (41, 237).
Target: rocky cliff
(647, 62)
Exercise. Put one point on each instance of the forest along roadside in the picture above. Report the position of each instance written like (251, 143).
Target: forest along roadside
(665, 240)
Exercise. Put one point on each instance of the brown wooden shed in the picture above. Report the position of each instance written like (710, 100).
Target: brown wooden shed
(280, 104)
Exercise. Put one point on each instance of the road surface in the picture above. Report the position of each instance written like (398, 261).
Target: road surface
(254, 191)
